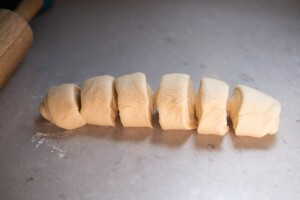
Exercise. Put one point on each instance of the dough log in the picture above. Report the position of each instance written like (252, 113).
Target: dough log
(211, 107)
(175, 102)
(61, 106)
(98, 101)
(253, 113)
(135, 100)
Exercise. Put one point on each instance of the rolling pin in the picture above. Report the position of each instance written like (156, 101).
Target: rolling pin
(15, 36)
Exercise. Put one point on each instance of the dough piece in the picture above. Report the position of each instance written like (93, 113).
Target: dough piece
(98, 101)
(253, 113)
(211, 107)
(135, 100)
(175, 102)
(61, 106)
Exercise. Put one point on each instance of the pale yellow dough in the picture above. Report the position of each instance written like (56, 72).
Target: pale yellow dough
(135, 100)
(211, 107)
(175, 102)
(253, 113)
(98, 101)
(61, 106)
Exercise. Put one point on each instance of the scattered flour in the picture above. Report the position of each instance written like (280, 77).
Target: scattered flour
(40, 138)
(61, 155)
(55, 149)
(37, 96)
(41, 141)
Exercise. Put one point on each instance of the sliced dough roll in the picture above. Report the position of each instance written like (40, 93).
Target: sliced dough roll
(253, 113)
(211, 107)
(61, 106)
(135, 100)
(175, 102)
(98, 101)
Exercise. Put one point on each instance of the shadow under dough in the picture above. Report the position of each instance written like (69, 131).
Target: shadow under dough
(245, 142)
(47, 129)
(209, 142)
(170, 138)
(130, 134)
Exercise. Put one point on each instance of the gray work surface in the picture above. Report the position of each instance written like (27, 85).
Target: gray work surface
(256, 43)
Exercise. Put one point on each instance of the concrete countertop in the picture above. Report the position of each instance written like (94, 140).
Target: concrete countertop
(256, 43)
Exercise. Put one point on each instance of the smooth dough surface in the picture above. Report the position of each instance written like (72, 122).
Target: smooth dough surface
(175, 102)
(211, 107)
(253, 113)
(98, 101)
(135, 100)
(61, 106)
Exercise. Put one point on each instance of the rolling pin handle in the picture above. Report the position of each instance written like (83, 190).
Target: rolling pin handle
(28, 8)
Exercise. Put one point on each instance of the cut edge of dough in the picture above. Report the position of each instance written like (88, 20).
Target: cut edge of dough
(77, 98)
(234, 105)
(114, 105)
(198, 102)
(150, 104)
(191, 121)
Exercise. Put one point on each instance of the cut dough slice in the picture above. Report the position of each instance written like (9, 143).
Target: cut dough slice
(61, 106)
(98, 101)
(135, 100)
(253, 113)
(175, 102)
(211, 107)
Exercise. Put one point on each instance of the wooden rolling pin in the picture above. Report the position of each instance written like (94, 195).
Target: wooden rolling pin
(15, 36)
